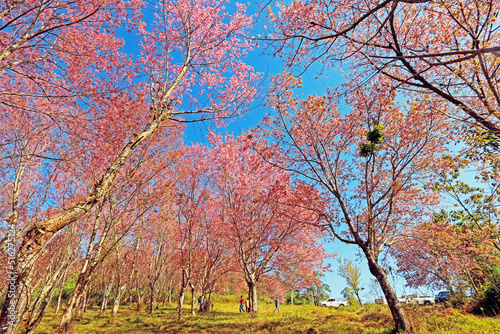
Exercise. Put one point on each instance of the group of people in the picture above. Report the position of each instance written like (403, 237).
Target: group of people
(244, 305)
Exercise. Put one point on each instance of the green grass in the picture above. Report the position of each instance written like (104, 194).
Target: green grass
(225, 318)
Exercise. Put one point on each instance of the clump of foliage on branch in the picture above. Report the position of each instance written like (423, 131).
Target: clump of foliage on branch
(375, 137)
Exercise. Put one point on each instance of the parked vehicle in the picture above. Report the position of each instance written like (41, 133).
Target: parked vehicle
(424, 300)
(442, 297)
(333, 302)
(380, 300)
(407, 299)
(413, 298)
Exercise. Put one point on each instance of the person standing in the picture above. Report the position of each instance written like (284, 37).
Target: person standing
(242, 304)
(277, 303)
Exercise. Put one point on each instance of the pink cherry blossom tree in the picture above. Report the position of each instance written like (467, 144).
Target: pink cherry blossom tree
(370, 165)
(266, 216)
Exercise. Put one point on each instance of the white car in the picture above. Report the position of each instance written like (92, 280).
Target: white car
(413, 298)
(407, 299)
(334, 302)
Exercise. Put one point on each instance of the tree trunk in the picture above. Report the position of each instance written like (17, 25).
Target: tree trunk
(44, 293)
(116, 301)
(40, 307)
(14, 304)
(181, 303)
(169, 295)
(105, 296)
(291, 297)
(206, 304)
(161, 298)
(59, 297)
(58, 305)
(359, 299)
(151, 298)
(84, 276)
(193, 299)
(82, 306)
(252, 295)
(74, 301)
(400, 321)
(65, 325)
(87, 298)
(139, 301)
(32, 326)
(130, 300)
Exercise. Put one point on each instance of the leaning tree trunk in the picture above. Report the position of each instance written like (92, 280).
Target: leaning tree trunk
(359, 299)
(74, 301)
(44, 298)
(85, 275)
(400, 321)
(34, 324)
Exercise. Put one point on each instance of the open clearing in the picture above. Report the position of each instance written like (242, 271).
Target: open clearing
(225, 318)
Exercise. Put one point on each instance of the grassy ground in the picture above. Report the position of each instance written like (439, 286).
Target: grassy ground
(225, 318)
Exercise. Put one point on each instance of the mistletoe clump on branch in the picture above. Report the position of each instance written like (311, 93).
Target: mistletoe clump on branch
(375, 138)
